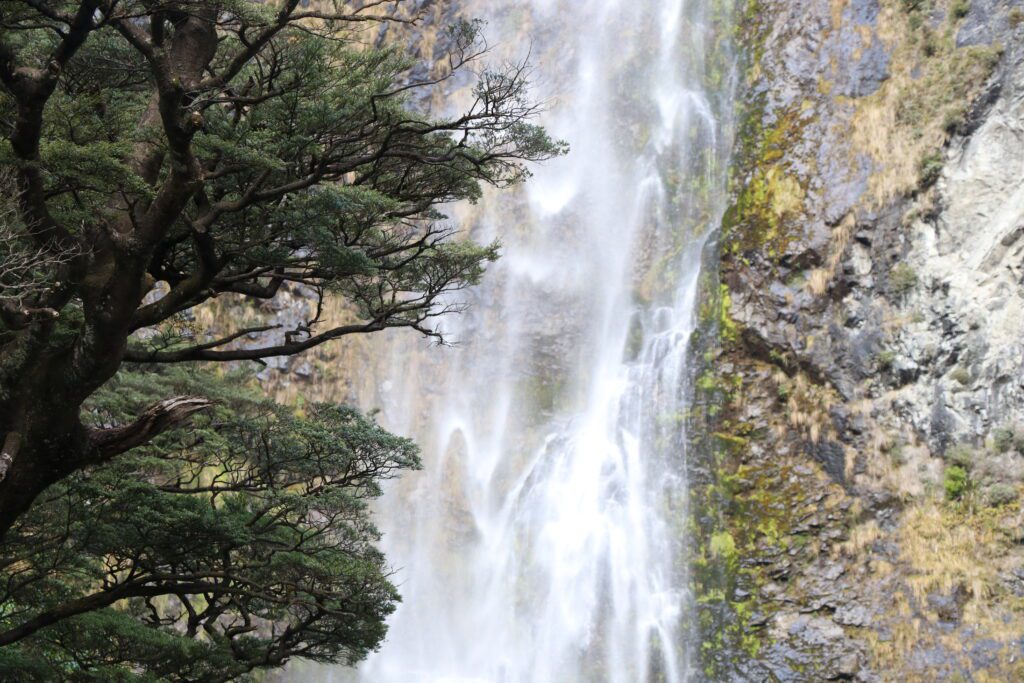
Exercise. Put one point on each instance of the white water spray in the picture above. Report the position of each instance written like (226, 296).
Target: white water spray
(546, 540)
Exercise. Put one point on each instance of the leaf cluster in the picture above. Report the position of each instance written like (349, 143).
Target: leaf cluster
(234, 546)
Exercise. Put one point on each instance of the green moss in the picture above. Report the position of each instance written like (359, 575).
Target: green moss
(767, 204)
(767, 198)
(723, 546)
(731, 438)
(726, 325)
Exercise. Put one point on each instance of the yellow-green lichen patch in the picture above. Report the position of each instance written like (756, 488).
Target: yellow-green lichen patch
(769, 198)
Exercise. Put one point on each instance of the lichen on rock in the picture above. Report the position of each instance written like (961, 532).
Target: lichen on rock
(872, 260)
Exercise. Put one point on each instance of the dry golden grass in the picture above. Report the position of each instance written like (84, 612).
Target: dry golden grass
(931, 83)
(861, 537)
(807, 406)
(944, 550)
(821, 278)
(947, 550)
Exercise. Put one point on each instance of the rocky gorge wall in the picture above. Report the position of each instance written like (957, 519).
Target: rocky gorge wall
(862, 394)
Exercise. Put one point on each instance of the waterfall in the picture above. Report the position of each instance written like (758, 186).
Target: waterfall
(546, 539)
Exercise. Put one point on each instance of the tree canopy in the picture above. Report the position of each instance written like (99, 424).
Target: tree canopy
(201, 557)
(161, 153)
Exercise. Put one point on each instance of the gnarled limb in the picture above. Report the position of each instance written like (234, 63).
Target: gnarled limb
(157, 419)
(12, 443)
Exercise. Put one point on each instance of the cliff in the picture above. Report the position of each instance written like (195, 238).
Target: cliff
(863, 393)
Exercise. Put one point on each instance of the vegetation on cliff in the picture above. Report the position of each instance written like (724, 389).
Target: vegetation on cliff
(876, 534)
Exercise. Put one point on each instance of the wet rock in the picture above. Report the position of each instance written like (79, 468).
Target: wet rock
(868, 73)
(832, 457)
(757, 620)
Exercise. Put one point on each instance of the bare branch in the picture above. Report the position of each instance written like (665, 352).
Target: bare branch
(157, 419)
(12, 444)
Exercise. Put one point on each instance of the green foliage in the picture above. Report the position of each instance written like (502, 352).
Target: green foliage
(232, 546)
(317, 163)
(1005, 439)
(955, 482)
(232, 148)
(929, 170)
(1001, 494)
(902, 279)
(885, 359)
(959, 9)
(961, 455)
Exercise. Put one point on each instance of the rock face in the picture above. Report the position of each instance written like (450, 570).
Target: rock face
(870, 349)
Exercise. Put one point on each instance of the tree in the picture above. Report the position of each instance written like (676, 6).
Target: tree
(203, 557)
(162, 154)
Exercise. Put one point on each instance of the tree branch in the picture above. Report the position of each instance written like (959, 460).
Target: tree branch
(12, 443)
(157, 419)
(204, 353)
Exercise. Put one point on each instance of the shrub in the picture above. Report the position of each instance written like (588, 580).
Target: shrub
(929, 170)
(885, 359)
(955, 482)
(953, 119)
(902, 278)
(930, 44)
(960, 8)
(1001, 494)
(961, 455)
(1004, 439)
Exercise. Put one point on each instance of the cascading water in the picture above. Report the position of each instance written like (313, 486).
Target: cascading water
(546, 539)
